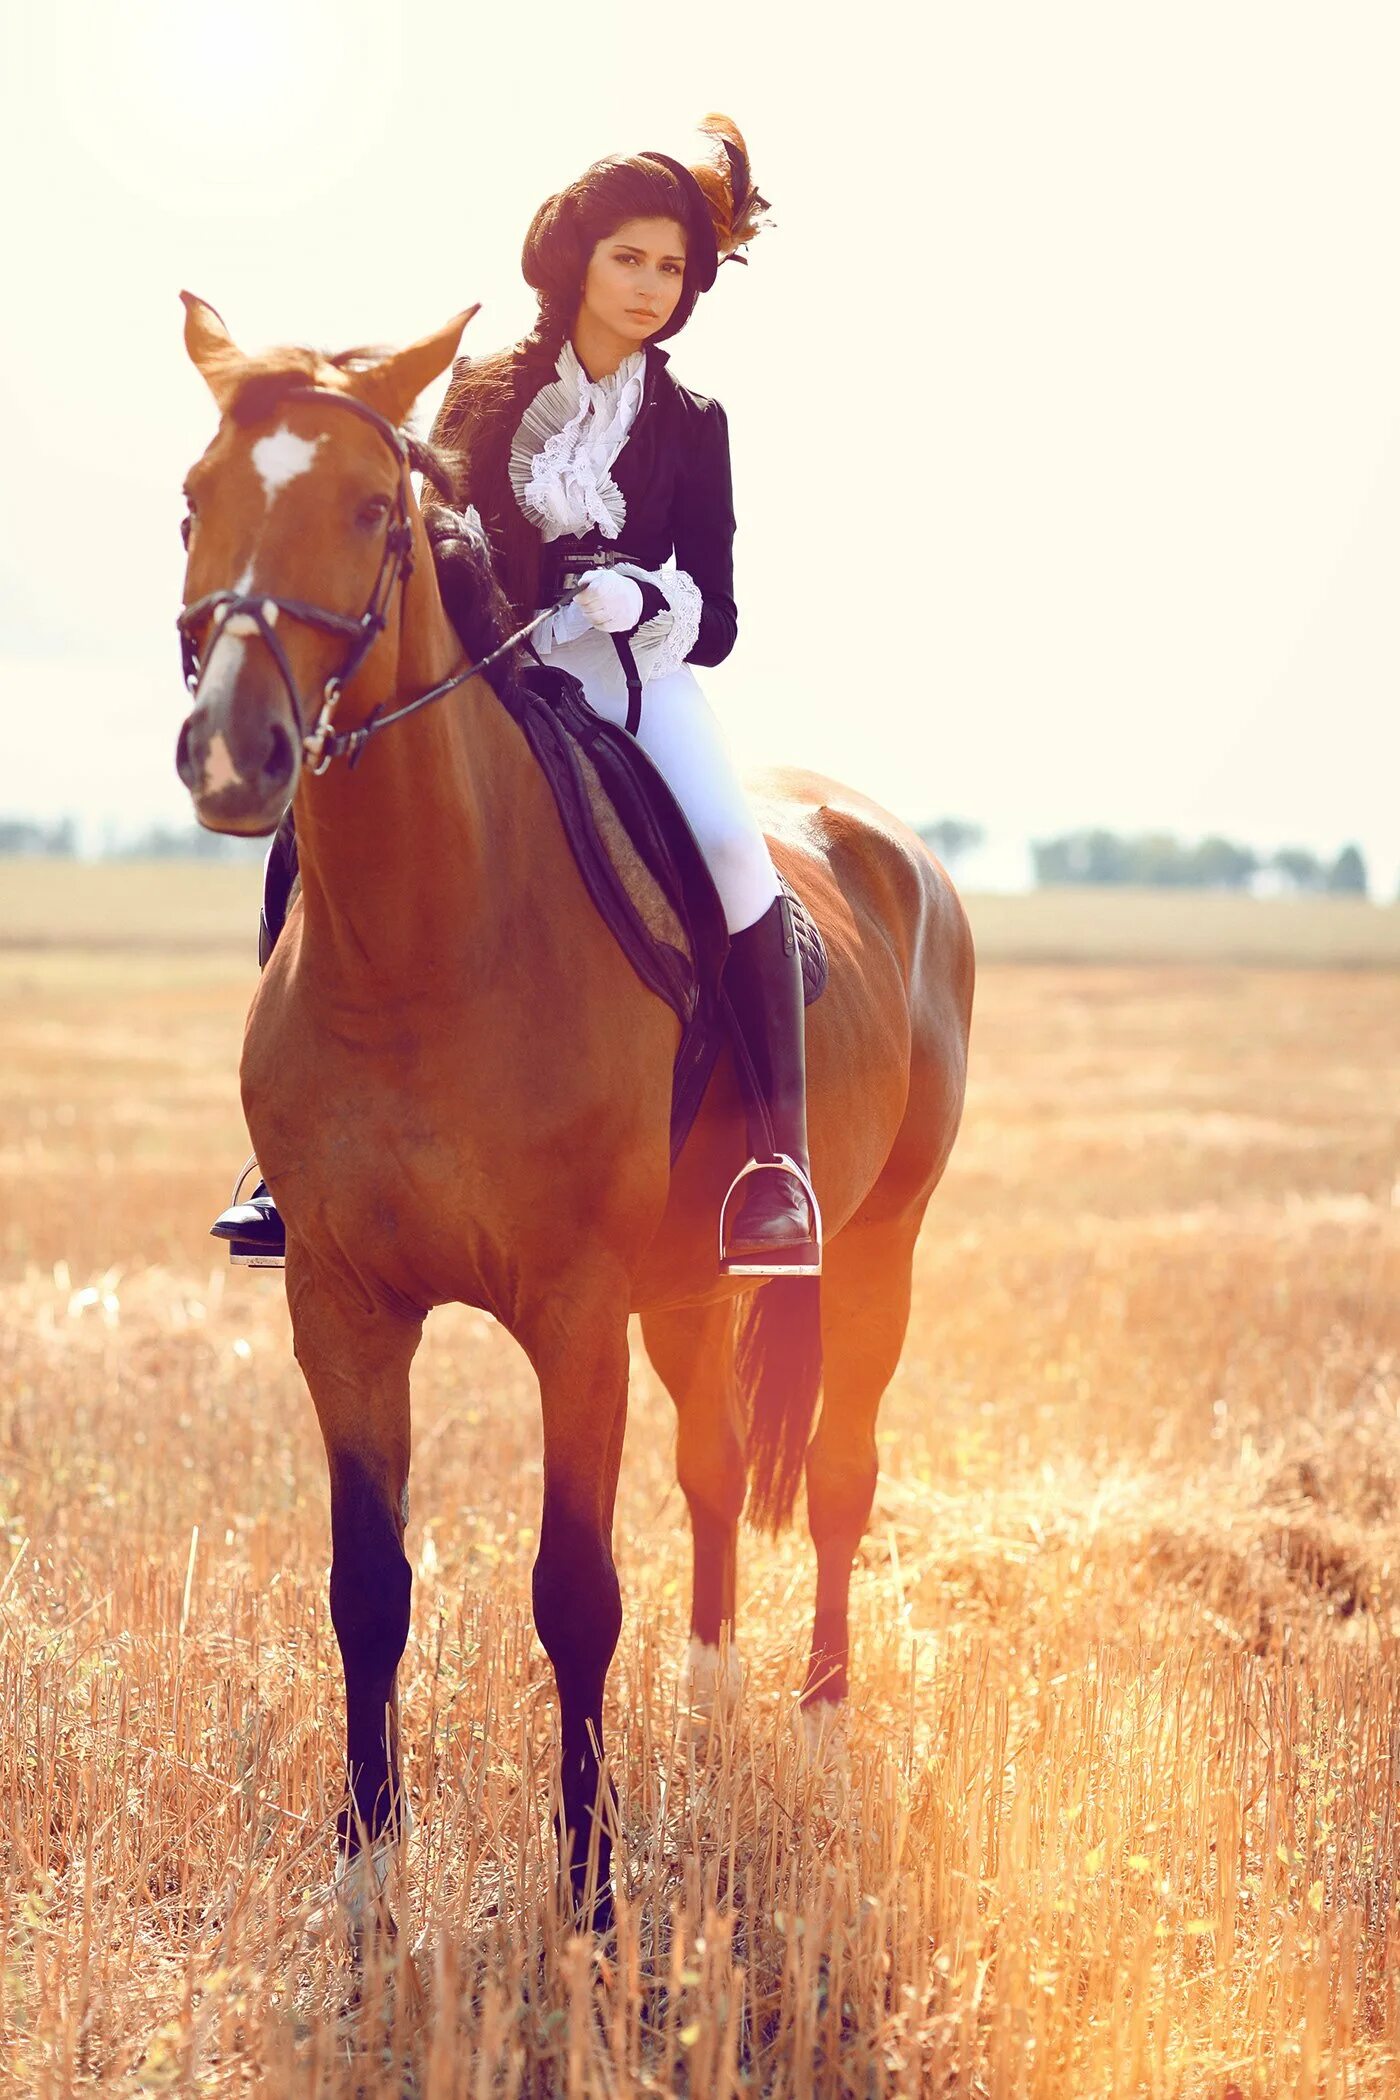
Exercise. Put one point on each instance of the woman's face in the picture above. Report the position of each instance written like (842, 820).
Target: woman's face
(635, 277)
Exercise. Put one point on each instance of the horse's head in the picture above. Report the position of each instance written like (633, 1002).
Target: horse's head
(298, 531)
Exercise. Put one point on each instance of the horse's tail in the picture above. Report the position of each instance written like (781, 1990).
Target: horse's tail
(778, 1364)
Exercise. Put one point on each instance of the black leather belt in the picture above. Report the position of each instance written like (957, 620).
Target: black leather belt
(572, 568)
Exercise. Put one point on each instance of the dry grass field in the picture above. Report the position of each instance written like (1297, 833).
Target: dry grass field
(1120, 1815)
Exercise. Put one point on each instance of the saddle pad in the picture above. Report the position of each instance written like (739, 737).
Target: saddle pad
(643, 867)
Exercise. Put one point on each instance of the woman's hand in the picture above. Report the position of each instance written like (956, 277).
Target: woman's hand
(610, 601)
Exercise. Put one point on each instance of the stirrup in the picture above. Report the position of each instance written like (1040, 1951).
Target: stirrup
(246, 1254)
(806, 1257)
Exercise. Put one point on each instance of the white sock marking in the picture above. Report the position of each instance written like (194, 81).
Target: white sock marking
(708, 1677)
(821, 1734)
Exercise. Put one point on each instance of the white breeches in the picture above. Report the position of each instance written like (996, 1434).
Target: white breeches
(681, 735)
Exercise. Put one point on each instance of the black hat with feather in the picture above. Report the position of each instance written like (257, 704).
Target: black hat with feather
(709, 187)
(726, 209)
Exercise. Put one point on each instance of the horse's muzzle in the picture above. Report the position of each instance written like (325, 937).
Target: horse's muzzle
(239, 783)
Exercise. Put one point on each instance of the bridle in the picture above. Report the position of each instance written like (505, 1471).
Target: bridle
(322, 744)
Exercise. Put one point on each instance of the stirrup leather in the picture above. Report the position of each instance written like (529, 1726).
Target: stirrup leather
(240, 1253)
(809, 1261)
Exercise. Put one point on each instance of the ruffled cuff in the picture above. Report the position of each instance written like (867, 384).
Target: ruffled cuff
(665, 636)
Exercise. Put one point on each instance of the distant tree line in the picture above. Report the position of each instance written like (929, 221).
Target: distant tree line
(1152, 860)
(1344, 876)
(21, 837)
(1157, 860)
(185, 842)
(951, 838)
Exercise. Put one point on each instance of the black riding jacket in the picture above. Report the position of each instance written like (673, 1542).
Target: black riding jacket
(673, 472)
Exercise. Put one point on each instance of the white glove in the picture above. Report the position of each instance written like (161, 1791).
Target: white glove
(610, 601)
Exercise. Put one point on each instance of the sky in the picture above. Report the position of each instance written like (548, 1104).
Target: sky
(1062, 389)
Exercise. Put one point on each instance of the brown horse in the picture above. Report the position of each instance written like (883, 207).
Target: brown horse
(459, 1089)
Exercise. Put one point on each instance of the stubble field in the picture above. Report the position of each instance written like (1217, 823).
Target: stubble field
(1120, 1812)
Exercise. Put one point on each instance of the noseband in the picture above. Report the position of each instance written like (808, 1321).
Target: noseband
(321, 744)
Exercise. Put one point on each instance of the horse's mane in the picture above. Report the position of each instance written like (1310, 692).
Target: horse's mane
(467, 583)
(479, 414)
(471, 594)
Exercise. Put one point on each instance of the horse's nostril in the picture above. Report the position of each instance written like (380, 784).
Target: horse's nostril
(280, 757)
(184, 759)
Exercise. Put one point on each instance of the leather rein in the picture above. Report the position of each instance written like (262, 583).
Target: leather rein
(322, 743)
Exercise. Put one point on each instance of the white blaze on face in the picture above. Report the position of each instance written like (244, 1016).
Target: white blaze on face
(220, 772)
(225, 661)
(281, 458)
(242, 626)
(219, 677)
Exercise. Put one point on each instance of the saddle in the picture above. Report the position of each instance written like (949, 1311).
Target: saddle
(643, 868)
(641, 864)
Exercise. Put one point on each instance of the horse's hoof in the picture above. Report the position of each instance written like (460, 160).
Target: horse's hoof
(598, 1917)
(819, 1726)
(356, 1901)
(712, 1679)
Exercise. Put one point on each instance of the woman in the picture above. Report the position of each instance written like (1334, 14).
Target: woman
(596, 474)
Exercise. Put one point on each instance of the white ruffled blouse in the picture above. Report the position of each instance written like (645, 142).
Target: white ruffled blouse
(562, 454)
(561, 460)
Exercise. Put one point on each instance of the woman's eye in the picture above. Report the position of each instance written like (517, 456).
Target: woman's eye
(186, 526)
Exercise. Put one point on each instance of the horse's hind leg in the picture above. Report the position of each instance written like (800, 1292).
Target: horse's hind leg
(692, 1352)
(356, 1364)
(865, 1312)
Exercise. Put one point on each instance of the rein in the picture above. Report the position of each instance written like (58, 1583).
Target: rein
(322, 743)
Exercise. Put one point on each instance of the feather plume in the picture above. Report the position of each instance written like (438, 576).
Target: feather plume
(724, 174)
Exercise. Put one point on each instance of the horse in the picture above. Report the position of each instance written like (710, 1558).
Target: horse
(458, 1088)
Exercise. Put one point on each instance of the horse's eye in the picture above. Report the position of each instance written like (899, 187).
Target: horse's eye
(374, 512)
(186, 524)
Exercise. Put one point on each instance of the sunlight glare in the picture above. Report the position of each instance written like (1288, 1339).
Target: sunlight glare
(196, 107)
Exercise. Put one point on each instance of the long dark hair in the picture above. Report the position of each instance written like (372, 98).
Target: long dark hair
(568, 227)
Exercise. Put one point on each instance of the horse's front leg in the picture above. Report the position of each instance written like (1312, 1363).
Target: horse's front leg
(356, 1363)
(577, 1341)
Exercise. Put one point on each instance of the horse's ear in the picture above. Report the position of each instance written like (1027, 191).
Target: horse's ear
(394, 384)
(212, 348)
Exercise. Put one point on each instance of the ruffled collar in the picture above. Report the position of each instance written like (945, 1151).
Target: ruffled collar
(569, 365)
(562, 454)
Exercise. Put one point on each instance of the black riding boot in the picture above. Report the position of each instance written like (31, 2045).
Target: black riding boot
(255, 1230)
(257, 1235)
(772, 1226)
